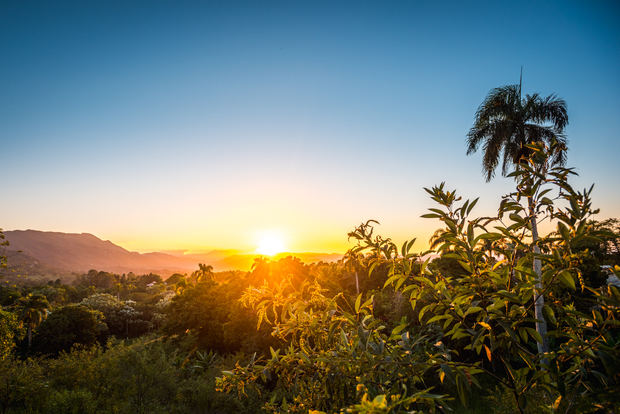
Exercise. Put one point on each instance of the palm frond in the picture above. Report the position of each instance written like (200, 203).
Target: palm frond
(505, 124)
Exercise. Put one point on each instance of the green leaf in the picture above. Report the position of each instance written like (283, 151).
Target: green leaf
(372, 267)
(472, 309)
(460, 388)
(567, 279)
(368, 301)
(564, 231)
(489, 236)
(549, 314)
(516, 218)
(397, 330)
(437, 318)
(423, 311)
(465, 266)
(358, 302)
(535, 335)
(471, 206)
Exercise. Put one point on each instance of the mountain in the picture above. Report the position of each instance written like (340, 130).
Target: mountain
(81, 252)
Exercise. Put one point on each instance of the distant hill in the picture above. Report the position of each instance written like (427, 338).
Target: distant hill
(80, 252)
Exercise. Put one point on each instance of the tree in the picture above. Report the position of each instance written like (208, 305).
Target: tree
(69, 325)
(32, 310)
(506, 124)
(470, 330)
(150, 279)
(23, 385)
(609, 250)
(204, 273)
(118, 315)
(9, 332)
(175, 279)
(101, 280)
(200, 310)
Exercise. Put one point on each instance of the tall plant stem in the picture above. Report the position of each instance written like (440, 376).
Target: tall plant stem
(539, 300)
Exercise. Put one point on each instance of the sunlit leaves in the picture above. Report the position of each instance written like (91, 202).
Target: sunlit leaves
(472, 304)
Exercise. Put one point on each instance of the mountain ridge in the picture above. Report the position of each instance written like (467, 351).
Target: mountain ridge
(80, 252)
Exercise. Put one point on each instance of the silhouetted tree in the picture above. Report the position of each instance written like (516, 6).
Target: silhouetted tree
(505, 124)
(204, 273)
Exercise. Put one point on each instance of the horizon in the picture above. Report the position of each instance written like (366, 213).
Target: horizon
(181, 252)
(182, 126)
(309, 207)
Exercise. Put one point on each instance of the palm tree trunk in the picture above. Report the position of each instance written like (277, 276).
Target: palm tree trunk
(539, 300)
(357, 284)
(29, 337)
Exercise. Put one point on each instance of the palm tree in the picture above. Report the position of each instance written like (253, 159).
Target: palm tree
(204, 273)
(32, 310)
(505, 124)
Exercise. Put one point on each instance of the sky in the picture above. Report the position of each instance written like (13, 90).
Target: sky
(206, 125)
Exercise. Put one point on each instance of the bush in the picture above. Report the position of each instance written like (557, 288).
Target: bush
(68, 326)
(71, 402)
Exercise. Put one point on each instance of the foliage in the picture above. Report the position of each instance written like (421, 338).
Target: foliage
(337, 353)
(487, 312)
(32, 310)
(506, 124)
(146, 376)
(3, 244)
(22, 385)
(119, 316)
(211, 313)
(175, 279)
(9, 333)
(101, 280)
(459, 328)
(67, 326)
(607, 251)
(472, 326)
(203, 274)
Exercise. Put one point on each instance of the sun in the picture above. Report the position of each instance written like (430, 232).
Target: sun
(270, 243)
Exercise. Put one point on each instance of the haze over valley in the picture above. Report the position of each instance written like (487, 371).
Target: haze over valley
(302, 207)
(54, 252)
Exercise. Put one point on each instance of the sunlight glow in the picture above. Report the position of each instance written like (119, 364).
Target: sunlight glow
(270, 243)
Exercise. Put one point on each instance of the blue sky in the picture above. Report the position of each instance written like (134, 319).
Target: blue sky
(196, 125)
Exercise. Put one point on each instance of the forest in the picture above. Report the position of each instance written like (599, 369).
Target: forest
(496, 316)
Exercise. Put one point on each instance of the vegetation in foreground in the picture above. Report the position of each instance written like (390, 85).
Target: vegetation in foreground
(495, 318)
